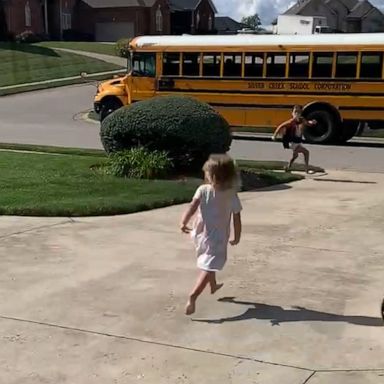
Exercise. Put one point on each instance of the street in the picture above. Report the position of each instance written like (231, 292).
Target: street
(54, 117)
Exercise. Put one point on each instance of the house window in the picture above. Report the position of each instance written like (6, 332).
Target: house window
(28, 18)
(66, 21)
(210, 23)
(159, 20)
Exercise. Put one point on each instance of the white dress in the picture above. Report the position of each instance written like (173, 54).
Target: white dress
(211, 229)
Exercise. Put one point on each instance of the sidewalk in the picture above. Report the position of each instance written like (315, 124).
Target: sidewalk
(100, 300)
(107, 58)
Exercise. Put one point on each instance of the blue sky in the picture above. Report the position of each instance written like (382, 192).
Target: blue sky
(267, 9)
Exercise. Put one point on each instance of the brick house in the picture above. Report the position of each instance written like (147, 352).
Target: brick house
(343, 15)
(109, 20)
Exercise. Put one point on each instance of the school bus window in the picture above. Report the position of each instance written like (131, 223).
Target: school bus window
(171, 64)
(254, 65)
(191, 64)
(276, 64)
(211, 65)
(299, 65)
(144, 64)
(371, 65)
(346, 65)
(322, 65)
(232, 65)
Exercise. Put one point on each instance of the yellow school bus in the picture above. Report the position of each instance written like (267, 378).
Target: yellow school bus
(254, 80)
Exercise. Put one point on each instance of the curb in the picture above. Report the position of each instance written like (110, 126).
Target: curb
(54, 81)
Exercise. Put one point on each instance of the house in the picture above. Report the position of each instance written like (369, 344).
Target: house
(192, 16)
(225, 25)
(108, 20)
(20, 16)
(342, 15)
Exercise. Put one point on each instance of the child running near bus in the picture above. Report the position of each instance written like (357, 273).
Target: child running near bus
(216, 203)
(292, 132)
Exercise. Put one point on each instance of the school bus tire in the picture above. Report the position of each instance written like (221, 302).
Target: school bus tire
(326, 129)
(108, 106)
(349, 130)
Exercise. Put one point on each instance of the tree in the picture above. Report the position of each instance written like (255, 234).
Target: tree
(252, 22)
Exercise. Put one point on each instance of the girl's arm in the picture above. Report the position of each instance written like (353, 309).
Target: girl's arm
(188, 215)
(281, 127)
(310, 123)
(237, 229)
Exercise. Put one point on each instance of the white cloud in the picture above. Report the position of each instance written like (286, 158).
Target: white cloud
(267, 9)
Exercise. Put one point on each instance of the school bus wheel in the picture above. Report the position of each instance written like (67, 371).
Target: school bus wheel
(108, 106)
(327, 127)
(348, 130)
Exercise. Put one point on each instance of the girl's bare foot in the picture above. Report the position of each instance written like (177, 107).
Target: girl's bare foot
(216, 288)
(190, 307)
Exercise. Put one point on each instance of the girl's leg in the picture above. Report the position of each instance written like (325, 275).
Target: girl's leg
(295, 155)
(202, 281)
(305, 153)
(213, 283)
(306, 158)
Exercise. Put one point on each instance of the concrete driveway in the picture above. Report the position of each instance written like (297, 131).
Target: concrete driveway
(100, 300)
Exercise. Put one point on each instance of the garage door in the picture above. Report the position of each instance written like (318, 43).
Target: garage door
(113, 31)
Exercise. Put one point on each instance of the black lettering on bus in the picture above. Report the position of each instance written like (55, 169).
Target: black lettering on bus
(299, 86)
(256, 85)
(276, 85)
(333, 87)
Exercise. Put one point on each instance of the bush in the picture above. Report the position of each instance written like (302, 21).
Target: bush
(122, 48)
(139, 163)
(187, 129)
(28, 37)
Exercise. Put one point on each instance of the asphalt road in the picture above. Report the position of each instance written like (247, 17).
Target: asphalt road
(54, 117)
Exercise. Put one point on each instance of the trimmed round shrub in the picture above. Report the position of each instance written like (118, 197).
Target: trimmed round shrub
(187, 129)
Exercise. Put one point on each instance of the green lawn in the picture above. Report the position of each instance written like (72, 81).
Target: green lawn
(24, 63)
(65, 184)
(374, 133)
(105, 49)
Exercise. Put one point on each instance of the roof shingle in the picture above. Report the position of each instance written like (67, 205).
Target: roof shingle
(119, 3)
(360, 10)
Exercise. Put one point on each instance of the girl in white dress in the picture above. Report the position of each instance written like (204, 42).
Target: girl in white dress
(216, 203)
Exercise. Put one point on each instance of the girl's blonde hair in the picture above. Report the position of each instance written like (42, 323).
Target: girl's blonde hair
(220, 171)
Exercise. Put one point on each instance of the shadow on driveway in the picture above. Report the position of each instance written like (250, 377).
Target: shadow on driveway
(278, 315)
